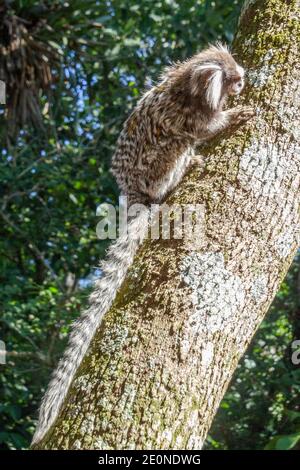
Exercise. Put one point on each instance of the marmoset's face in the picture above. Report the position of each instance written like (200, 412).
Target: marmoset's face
(235, 81)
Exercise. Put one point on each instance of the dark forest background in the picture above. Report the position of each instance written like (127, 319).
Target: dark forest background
(73, 71)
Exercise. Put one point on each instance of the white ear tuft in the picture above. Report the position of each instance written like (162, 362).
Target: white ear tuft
(204, 67)
(214, 89)
(207, 66)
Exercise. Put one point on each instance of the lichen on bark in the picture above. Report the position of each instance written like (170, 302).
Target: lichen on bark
(163, 357)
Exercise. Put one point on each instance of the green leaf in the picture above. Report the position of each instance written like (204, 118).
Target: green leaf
(283, 442)
(73, 198)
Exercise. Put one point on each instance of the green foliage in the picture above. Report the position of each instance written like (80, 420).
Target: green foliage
(54, 176)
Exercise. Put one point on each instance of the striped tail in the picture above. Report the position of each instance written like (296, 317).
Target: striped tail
(120, 257)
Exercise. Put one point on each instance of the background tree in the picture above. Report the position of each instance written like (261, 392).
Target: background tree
(100, 57)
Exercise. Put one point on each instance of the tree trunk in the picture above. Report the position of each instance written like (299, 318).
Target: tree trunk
(162, 360)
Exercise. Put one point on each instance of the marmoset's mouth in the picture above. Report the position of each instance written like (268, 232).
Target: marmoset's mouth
(234, 92)
(236, 89)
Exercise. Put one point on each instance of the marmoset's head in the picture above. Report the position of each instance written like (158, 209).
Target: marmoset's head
(215, 74)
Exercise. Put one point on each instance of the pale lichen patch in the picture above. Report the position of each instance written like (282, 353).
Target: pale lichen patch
(167, 436)
(77, 444)
(259, 289)
(262, 168)
(100, 444)
(178, 442)
(195, 442)
(87, 425)
(285, 241)
(230, 191)
(84, 383)
(115, 338)
(289, 115)
(216, 294)
(258, 78)
(207, 354)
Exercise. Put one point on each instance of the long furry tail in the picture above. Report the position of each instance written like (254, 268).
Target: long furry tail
(120, 257)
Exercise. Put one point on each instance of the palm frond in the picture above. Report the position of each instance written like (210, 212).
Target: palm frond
(26, 66)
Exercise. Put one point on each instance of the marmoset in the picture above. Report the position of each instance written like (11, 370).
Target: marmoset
(156, 145)
(154, 151)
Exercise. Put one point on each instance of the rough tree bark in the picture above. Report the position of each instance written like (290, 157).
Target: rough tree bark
(162, 359)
